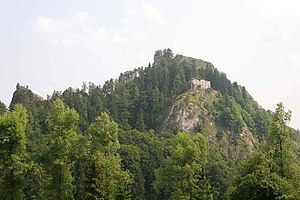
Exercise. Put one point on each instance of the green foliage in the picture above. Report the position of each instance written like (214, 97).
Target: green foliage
(257, 181)
(59, 159)
(230, 114)
(151, 149)
(220, 135)
(181, 175)
(23, 96)
(131, 160)
(272, 173)
(67, 147)
(34, 180)
(104, 176)
(109, 181)
(13, 155)
(139, 99)
(220, 172)
(2, 108)
(104, 134)
(279, 146)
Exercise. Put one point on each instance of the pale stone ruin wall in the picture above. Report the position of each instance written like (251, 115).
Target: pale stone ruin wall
(203, 84)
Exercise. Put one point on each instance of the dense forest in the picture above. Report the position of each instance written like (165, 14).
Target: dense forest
(111, 141)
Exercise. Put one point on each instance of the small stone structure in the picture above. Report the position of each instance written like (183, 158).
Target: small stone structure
(202, 84)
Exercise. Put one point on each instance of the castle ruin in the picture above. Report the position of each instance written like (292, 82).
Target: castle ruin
(202, 84)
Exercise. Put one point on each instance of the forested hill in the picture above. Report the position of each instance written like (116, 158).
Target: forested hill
(147, 135)
(139, 99)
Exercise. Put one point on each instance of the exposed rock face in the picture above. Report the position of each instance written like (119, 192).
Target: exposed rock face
(191, 112)
(248, 137)
(184, 117)
(187, 110)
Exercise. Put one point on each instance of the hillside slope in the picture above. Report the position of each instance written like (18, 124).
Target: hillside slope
(165, 133)
(158, 97)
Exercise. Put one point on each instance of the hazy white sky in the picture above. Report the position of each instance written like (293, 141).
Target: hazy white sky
(55, 44)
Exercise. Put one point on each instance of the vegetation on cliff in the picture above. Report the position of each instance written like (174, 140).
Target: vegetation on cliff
(146, 135)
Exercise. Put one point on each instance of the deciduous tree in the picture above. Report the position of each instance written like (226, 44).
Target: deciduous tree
(13, 154)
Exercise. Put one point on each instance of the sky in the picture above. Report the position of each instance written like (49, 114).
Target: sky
(52, 45)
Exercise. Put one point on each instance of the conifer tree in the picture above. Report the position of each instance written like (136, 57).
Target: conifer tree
(273, 172)
(2, 108)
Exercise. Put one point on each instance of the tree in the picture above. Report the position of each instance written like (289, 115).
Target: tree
(2, 108)
(104, 135)
(105, 178)
(78, 99)
(123, 104)
(257, 181)
(96, 101)
(131, 161)
(281, 150)
(177, 85)
(151, 149)
(168, 54)
(261, 124)
(230, 114)
(279, 145)
(273, 172)
(59, 157)
(220, 174)
(182, 175)
(13, 154)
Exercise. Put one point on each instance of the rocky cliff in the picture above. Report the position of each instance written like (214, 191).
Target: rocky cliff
(193, 112)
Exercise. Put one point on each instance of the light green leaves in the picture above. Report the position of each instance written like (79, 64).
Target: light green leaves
(13, 154)
(181, 175)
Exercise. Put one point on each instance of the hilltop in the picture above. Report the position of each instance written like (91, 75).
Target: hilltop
(159, 97)
(145, 123)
